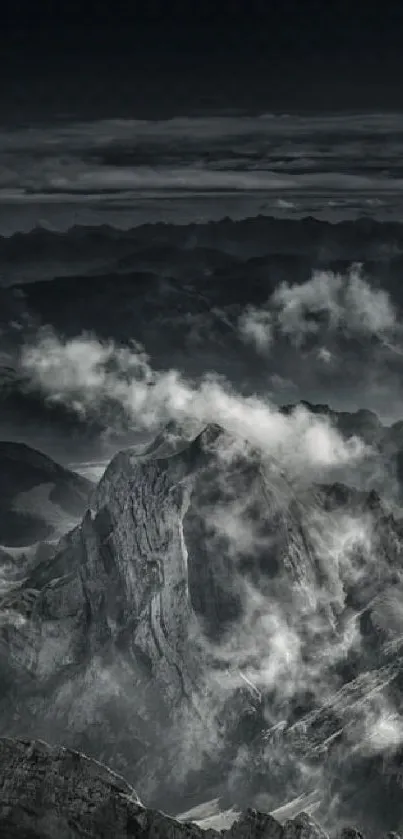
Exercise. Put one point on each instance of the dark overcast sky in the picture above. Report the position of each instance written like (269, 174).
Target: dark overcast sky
(160, 56)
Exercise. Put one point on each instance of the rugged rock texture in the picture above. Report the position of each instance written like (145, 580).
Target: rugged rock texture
(54, 792)
(49, 792)
(100, 635)
(147, 639)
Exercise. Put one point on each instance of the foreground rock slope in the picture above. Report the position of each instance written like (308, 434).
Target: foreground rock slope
(49, 792)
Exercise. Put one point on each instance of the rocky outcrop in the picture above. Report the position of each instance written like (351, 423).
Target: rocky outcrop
(48, 792)
(102, 631)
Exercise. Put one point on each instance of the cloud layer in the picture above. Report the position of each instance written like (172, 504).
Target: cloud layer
(90, 377)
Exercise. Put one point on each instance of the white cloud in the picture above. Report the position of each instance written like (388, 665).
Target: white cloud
(385, 731)
(325, 355)
(367, 310)
(326, 304)
(295, 304)
(89, 375)
(256, 327)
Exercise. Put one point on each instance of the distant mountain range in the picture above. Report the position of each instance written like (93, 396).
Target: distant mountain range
(38, 498)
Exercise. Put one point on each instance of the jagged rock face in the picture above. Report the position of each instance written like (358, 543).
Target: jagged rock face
(127, 642)
(51, 791)
(103, 629)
